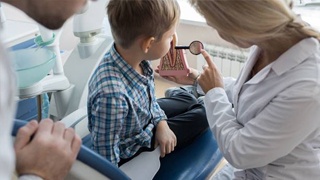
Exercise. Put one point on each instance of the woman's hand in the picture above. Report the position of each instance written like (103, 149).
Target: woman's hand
(184, 80)
(211, 76)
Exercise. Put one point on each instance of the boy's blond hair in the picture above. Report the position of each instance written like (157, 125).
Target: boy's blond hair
(130, 19)
(258, 19)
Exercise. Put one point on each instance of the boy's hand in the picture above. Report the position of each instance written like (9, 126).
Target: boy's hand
(184, 80)
(165, 138)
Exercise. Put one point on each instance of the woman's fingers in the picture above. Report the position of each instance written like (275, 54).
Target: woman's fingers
(208, 59)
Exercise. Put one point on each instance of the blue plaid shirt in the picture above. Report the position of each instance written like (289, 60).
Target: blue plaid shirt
(122, 108)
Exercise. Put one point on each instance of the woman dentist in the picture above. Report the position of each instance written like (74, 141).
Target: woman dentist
(267, 121)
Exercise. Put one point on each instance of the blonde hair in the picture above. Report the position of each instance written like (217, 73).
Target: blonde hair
(130, 19)
(289, 3)
(258, 19)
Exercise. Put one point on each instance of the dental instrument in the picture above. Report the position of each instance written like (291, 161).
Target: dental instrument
(195, 47)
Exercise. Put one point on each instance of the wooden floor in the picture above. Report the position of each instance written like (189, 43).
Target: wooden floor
(161, 85)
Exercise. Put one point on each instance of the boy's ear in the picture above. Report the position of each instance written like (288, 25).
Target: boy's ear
(147, 43)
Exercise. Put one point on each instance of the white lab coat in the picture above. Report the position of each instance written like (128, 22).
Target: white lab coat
(7, 112)
(273, 131)
(7, 90)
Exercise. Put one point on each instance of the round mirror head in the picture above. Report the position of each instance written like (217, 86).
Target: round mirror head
(195, 47)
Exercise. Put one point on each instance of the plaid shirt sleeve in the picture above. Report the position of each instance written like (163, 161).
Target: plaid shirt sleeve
(157, 113)
(107, 124)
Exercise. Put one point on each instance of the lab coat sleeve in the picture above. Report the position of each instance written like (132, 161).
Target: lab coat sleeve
(30, 177)
(7, 110)
(275, 131)
(228, 87)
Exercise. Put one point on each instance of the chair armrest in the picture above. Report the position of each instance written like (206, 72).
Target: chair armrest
(75, 117)
(78, 120)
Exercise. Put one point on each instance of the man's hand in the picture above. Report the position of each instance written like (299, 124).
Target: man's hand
(165, 138)
(46, 149)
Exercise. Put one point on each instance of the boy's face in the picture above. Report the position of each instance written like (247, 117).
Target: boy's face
(160, 48)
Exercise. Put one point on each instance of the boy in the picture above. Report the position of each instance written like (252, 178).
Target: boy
(125, 118)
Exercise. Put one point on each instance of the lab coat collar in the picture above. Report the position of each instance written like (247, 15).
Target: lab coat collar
(254, 52)
(261, 75)
(288, 60)
(295, 55)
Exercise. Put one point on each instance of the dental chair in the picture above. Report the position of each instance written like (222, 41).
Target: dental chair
(198, 160)
(89, 165)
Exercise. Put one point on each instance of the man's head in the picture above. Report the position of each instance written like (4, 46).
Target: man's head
(131, 19)
(50, 13)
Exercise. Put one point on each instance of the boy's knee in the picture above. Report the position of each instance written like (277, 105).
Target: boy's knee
(182, 93)
(183, 89)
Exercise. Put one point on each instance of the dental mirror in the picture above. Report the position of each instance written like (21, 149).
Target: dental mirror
(194, 47)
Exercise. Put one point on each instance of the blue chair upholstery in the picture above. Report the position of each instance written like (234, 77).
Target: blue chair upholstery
(196, 161)
(27, 109)
(88, 157)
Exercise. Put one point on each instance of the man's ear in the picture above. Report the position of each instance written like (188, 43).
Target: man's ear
(147, 43)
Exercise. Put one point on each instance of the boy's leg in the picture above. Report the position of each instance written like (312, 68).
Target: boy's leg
(189, 125)
(177, 102)
(189, 88)
(186, 117)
